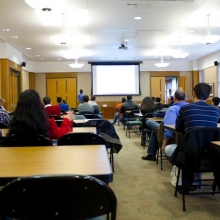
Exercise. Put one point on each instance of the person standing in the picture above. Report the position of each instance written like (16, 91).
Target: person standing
(80, 96)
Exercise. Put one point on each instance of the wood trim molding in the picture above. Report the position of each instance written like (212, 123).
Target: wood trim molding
(164, 73)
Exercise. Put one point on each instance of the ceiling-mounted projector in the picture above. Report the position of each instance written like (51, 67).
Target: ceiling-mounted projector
(123, 47)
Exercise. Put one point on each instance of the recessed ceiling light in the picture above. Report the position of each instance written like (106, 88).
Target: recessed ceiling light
(59, 59)
(37, 55)
(28, 48)
(46, 9)
(126, 40)
(6, 29)
(42, 58)
(14, 36)
(137, 18)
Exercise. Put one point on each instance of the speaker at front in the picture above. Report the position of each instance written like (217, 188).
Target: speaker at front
(23, 64)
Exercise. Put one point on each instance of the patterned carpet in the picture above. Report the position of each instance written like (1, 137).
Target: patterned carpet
(144, 191)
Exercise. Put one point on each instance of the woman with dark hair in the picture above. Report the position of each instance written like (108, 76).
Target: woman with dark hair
(30, 118)
(147, 105)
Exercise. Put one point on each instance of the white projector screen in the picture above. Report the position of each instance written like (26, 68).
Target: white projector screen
(115, 80)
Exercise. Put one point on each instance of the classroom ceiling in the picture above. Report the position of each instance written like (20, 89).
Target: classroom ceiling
(165, 26)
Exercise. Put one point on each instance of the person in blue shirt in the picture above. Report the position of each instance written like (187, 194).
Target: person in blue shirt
(64, 107)
(170, 118)
(80, 96)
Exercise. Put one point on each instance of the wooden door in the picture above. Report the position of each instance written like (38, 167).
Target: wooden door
(14, 89)
(63, 87)
(183, 83)
(158, 88)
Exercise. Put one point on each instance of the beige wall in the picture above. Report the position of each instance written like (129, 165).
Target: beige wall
(40, 84)
(25, 80)
(211, 76)
(84, 82)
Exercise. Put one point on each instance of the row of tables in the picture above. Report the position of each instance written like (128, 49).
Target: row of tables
(89, 160)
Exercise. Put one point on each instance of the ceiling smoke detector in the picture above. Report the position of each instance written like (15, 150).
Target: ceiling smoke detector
(123, 46)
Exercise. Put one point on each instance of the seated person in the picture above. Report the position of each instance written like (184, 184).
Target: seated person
(30, 118)
(127, 105)
(4, 117)
(171, 101)
(95, 105)
(85, 106)
(147, 105)
(215, 101)
(118, 114)
(51, 109)
(157, 102)
(63, 106)
(170, 118)
(2, 102)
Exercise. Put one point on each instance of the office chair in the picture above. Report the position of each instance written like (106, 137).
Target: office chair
(57, 197)
(130, 122)
(15, 140)
(145, 132)
(3, 125)
(81, 139)
(194, 154)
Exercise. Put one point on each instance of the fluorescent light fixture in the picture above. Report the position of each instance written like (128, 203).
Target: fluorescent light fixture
(161, 64)
(75, 53)
(137, 18)
(76, 65)
(5, 29)
(208, 38)
(178, 54)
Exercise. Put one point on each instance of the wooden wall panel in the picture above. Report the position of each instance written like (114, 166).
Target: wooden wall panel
(165, 73)
(31, 80)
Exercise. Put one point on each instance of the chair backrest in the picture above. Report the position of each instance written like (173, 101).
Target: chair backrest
(57, 197)
(14, 140)
(90, 116)
(81, 139)
(194, 146)
(3, 125)
(80, 117)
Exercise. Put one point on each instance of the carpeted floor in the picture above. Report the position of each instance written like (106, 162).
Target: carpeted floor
(144, 191)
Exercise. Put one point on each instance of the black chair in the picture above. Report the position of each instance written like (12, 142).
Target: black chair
(81, 139)
(131, 122)
(91, 116)
(145, 132)
(14, 140)
(57, 197)
(3, 125)
(107, 130)
(194, 154)
(59, 122)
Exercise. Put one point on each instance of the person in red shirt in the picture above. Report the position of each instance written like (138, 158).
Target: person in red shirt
(31, 118)
(51, 109)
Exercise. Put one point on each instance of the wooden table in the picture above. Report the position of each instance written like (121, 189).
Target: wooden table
(172, 127)
(85, 129)
(84, 160)
(4, 131)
